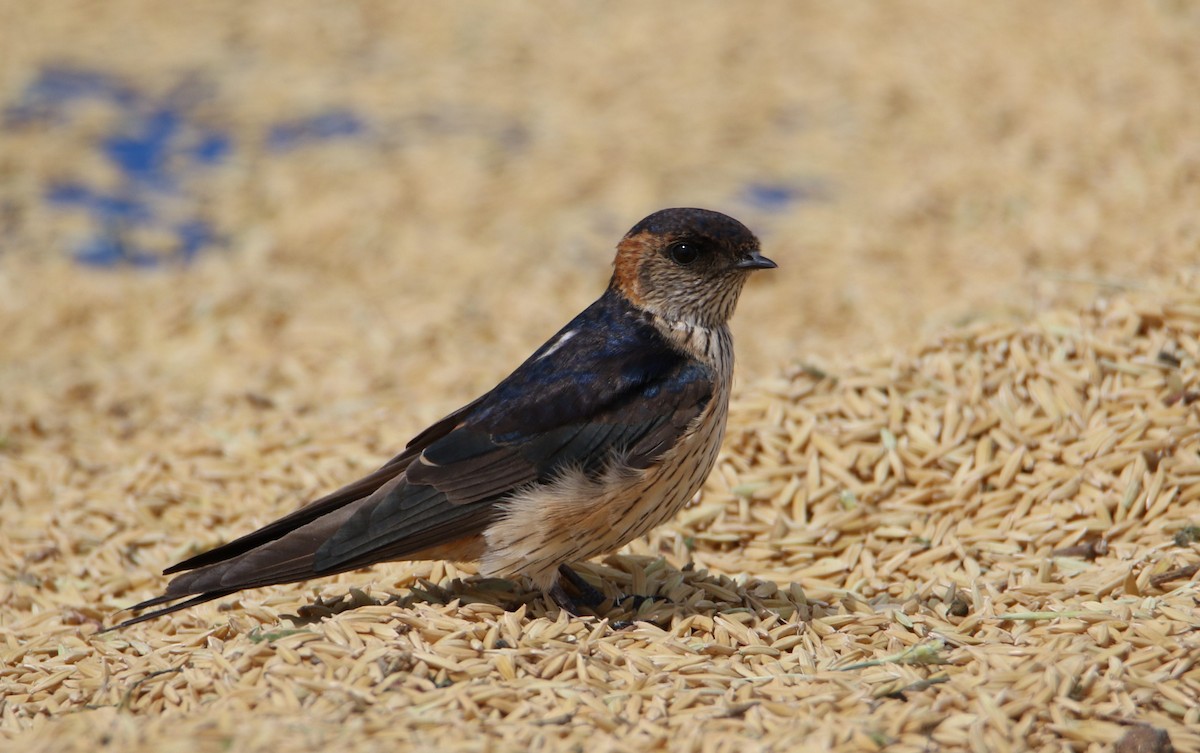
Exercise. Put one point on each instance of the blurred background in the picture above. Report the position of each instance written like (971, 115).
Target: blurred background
(358, 198)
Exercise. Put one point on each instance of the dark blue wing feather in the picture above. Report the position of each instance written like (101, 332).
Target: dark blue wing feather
(615, 386)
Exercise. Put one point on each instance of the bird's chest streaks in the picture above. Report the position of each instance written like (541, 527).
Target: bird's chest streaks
(578, 516)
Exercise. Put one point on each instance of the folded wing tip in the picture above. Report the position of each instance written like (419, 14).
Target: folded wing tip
(169, 609)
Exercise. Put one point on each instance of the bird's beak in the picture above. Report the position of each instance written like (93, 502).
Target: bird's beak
(755, 260)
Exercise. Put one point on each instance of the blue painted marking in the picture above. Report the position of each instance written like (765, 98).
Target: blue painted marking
(212, 148)
(109, 250)
(103, 208)
(335, 124)
(56, 86)
(194, 236)
(163, 151)
(772, 197)
(143, 157)
(157, 148)
(779, 196)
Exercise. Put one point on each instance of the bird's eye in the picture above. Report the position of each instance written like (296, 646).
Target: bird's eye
(683, 253)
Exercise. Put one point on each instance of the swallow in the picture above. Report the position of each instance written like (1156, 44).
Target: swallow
(602, 434)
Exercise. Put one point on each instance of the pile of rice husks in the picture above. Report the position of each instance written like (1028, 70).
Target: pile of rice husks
(986, 542)
(250, 248)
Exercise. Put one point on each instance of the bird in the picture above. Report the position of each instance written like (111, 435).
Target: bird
(605, 432)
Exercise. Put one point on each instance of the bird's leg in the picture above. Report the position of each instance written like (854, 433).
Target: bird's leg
(564, 600)
(589, 596)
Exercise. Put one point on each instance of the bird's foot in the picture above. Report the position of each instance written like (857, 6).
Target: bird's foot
(591, 598)
(636, 600)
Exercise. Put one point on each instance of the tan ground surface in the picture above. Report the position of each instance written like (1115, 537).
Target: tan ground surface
(901, 555)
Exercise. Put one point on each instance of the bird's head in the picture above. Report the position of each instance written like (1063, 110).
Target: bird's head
(686, 265)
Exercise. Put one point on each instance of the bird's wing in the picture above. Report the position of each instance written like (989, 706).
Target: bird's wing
(607, 385)
(322, 507)
(284, 550)
(611, 392)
